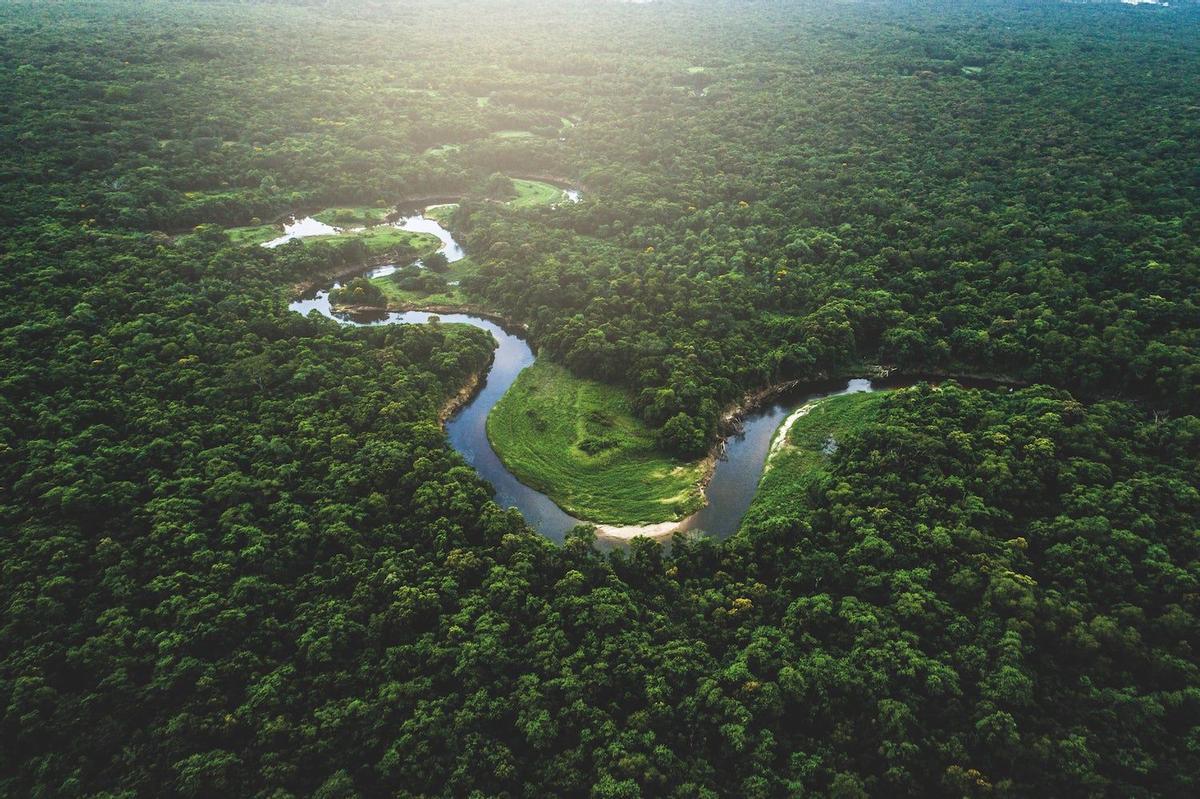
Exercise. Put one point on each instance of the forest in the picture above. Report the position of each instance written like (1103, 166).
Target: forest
(239, 557)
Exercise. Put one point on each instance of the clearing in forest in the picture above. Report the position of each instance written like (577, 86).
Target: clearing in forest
(578, 441)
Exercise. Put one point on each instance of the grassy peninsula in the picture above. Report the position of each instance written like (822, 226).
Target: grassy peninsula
(578, 441)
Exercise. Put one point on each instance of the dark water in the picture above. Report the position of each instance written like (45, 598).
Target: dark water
(734, 481)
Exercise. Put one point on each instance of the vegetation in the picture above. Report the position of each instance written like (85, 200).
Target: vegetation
(253, 234)
(442, 214)
(413, 279)
(383, 239)
(807, 448)
(578, 441)
(436, 262)
(443, 149)
(239, 558)
(532, 193)
(347, 217)
(416, 286)
(375, 241)
(358, 291)
(970, 559)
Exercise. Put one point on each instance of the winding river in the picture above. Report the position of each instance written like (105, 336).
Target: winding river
(734, 480)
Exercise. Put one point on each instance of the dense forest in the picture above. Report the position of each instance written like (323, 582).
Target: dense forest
(239, 558)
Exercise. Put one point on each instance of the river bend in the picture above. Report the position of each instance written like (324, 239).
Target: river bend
(734, 481)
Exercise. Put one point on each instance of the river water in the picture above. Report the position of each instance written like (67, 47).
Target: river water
(737, 473)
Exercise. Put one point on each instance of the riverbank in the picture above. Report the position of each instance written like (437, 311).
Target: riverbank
(368, 311)
(813, 431)
(467, 393)
(731, 416)
(803, 451)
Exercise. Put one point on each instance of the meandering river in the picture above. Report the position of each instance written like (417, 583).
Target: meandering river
(733, 484)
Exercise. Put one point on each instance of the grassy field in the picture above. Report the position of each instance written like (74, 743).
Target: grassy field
(379, 239)
(513, 134)
(383, 239)
(451, 296)
(253, 234)
(579, 442)
(532, 193)
(349, 217)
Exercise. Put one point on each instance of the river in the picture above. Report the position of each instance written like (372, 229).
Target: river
(734, 481)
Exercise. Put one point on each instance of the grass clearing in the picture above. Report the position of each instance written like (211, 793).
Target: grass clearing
(814, 436)
(384, 238)
(513, 134)
(345, 217)
(579, 442)
(253, 234)
(534, 193)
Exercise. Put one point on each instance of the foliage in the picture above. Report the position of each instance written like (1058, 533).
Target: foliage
(814, 437)
(578, 441)
(436, 262)
(412, 285)
(380, 240)
(238, 558)
(418, 281)
(973, 559)
(346, 217)
(253, 234)
(533, 193)
(358, 291)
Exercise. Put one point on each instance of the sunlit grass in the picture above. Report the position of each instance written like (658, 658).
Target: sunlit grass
(253, 234)
(579, 441)
(383, 238)
(346, 217)
(532, 193)
(812, 440)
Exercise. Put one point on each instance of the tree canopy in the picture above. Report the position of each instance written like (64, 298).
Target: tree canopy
(239, 558)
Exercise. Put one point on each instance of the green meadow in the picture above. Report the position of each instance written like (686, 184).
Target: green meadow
(815, 435)
(579, 442)
(346, 217)
(441, 213)
(253, 234)
(533, 193)
(384, 239)
(379, 240)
